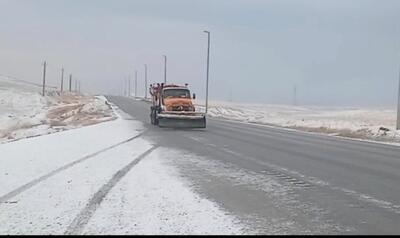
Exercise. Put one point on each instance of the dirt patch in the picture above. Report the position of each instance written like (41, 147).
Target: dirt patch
(64, 112)
(364, 134)
(76, 111)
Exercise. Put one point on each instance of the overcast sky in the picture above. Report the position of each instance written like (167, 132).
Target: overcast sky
(337, 52)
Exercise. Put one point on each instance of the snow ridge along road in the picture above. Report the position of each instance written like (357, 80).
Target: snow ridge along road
(83, 218)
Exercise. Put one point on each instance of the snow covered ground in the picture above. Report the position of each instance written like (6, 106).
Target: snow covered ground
(162, 203)
(100, 179)
(362, 123)
(25, 113)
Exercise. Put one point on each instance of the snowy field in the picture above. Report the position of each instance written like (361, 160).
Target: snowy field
(25, 113)
(362, 123)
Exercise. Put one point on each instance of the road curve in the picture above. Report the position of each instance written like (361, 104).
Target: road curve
(285, 181)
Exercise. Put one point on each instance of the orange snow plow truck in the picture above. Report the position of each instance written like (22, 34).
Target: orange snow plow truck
(172, 106)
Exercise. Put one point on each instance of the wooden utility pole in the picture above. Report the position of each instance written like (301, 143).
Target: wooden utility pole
(165, 69)
(62, 79)
(135, 83)
(145, 81)
(208, 66)
(125, 87)
(44, 77)
(398, 107)
(129, 85)
(70, 82)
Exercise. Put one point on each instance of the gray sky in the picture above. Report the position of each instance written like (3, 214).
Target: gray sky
(337, 52)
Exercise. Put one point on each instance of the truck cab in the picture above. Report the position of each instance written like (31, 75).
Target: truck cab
(177, 99)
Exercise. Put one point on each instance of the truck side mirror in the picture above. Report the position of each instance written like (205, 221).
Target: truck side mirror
(194, 96)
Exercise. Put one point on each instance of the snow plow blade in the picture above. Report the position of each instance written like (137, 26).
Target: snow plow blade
(181, 121)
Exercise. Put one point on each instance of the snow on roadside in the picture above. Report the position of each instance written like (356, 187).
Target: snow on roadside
(154, 200)
(25, 113)
(51, 206)
(363, 123)
(25, 160)
(20, 108)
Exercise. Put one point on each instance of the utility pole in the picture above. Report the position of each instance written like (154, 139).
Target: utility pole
(135, 83)
(70, 82)
(62, 79)
(398, 107)
(124, 86)
(79, 86)
(76, 85)
(145, 81)
(44, 77)
(122, 89)
(129, 85)
(208, 68)
(165, 69)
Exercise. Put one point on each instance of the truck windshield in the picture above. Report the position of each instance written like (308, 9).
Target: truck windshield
(176, 93)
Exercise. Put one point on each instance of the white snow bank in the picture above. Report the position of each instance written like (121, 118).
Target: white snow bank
(353, 122)
(20, 108)
(24, 112)
(24, 160)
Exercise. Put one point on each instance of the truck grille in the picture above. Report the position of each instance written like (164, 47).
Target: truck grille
(180, 108)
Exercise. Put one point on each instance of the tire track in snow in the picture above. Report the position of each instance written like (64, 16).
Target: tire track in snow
(34, 182)
(81, 220)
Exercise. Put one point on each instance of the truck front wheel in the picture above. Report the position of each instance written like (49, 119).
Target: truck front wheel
(153, 116)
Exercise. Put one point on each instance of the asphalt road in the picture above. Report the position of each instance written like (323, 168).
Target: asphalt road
(285, 181)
